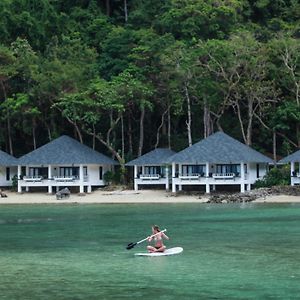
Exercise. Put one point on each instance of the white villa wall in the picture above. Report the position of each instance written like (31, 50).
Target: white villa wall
(51, 180)
(142, 177)
(295, 173)
(93, 174)
(250, 177)
(3, 181)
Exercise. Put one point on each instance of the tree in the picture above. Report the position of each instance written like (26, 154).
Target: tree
(7, 71)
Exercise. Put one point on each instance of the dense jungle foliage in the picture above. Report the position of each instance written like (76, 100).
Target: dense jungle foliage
(126, 76)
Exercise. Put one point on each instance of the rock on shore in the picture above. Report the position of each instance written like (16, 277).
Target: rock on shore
(254, 194)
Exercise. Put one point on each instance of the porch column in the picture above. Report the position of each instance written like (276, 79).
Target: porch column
(81, 189)
(207, 187)
(136, 187)
(173, 177)
(27, 174)
(179, 174)
(19, 180)
(49, 179)
(89, 190)
(167, 179)
(207, 169)
(292, 172)
(242, 178)
(143, 169)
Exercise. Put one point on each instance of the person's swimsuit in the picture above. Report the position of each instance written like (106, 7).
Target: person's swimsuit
(158, 241)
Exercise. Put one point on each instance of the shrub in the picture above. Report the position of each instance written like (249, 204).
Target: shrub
(114, 177)
(276, 176)
(14, 182)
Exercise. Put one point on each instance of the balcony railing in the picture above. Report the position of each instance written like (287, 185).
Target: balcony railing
(33, 178)
(150, 176)
(65, 178)
(190, 176)
(223, 175)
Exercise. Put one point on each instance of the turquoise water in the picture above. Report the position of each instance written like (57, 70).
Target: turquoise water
(79, 252)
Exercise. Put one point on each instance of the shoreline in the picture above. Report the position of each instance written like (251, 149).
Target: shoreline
(126, 197)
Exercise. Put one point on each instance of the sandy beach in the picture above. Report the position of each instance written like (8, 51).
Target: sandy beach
(125, 196)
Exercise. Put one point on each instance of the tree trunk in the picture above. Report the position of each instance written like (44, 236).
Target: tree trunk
(125, 11)
(94, 139)
(250, 122)
(141, 142)
(189, 120)
(107, 7)
(9, 134)
(130, 134)
(241, 122)
(207, 122)
(160, 127)
(78, 133)
(49, 133)
(123, 138)
(33, 133)
(274, 147)
(169, 128)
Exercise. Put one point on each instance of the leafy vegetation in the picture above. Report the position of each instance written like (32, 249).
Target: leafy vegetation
(127, 76)
(276, 176)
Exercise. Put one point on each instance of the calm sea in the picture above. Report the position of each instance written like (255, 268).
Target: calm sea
(60, 251)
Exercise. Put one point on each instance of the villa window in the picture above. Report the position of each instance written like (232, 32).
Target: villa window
(34, 172)
(7, 174)
(153, 170)
(193, 169)
(236, 169)
(69, 172)
(100, 173)
(85, 172)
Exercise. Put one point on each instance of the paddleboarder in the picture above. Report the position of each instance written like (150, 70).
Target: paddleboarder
(158, 240)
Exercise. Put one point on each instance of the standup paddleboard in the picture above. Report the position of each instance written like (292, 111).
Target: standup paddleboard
(169, 251)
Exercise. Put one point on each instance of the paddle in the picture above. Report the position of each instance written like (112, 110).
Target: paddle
(131, 245)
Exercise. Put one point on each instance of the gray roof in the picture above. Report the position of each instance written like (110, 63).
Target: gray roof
(65, 150)
(7, 160)
(158, 156)
(294, 157)
(219, 148)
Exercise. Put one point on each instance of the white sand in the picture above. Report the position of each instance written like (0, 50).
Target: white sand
(279, 199)
(125, 196)
(117, 196)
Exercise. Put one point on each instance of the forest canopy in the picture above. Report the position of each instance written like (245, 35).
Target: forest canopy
(127, 76)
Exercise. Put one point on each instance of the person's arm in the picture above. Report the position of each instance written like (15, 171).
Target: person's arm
(165, 236)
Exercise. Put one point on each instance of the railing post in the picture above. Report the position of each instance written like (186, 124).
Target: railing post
(242, 177)
(167, 178)
(173, 177)
(19, 179)
(81, 189)
(136, 187)
(292, 173)
(49, 177)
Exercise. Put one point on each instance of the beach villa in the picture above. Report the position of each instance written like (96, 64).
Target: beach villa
(215, 161)
(63, 162)
(8, 169)
(293, 159)
(152, 169)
